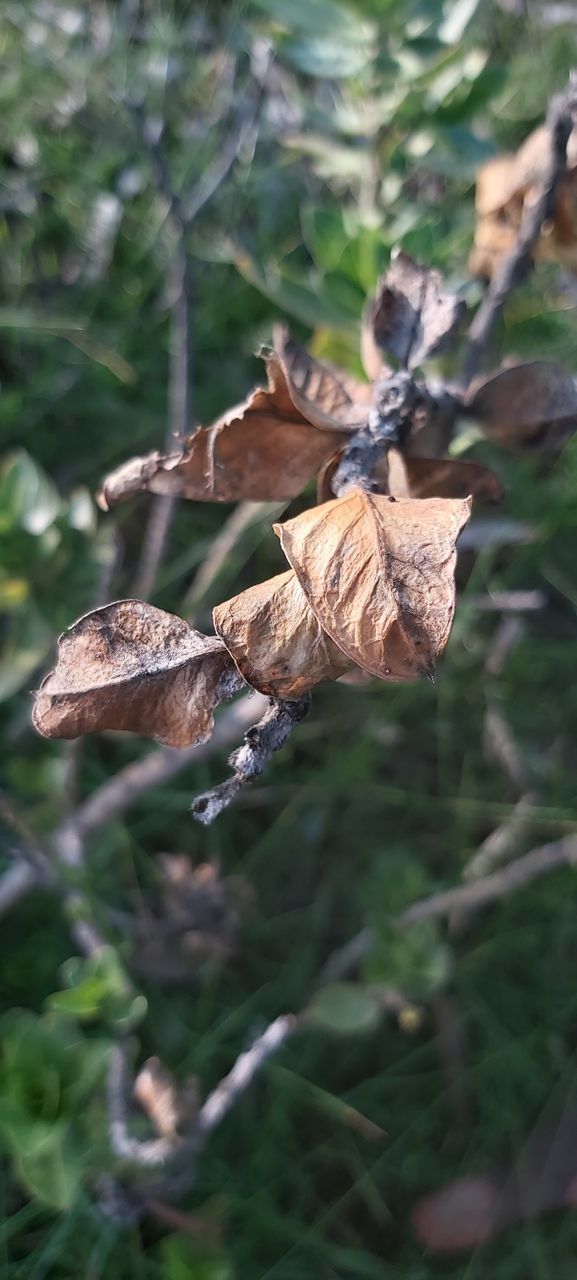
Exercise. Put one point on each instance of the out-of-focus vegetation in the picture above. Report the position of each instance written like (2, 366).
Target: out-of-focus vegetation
(371, 122)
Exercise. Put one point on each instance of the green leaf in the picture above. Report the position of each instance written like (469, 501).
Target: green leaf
(28, 498)
(192, 1260)
(99, 987)
(415, 960)
(53, 1172)
(345, 1007)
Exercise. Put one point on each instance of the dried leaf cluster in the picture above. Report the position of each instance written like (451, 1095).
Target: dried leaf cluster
(370, 584)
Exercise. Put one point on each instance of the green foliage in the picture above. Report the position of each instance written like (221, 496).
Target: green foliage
(344, 1008)
(98, 988)
(49, 1076)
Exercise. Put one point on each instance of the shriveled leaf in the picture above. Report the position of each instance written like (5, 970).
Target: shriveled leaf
(378, 572)
(410, 318)
(325, 395)
(507, 186)
(407, 477)
(265, 449)
(132, 666)
(441, 478)
(275, 639)
(155, 1090)
(529, 407)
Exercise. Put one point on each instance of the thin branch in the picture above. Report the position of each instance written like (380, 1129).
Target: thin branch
(560, 120)
(17, 881)
(468, 897)
(179, 414)
(151, 1154)
(501, 843)
(249, 760)
(125, 787)
(220, 1101)
(500, 884)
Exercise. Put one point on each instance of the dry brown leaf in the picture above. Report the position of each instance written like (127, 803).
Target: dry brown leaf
(410, 317)
(265, 449)
(528, 407)
(132, 666)
(378, 572)
(407, 477)
(155, 1090)
(276, 640)
(325, 395)
(509, 184)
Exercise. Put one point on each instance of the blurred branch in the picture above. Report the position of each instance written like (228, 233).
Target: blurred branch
(183, 212)
(468, 897)
(125, 787)
(242, 518)
(560, 119)
(491, 888)
(16, 882)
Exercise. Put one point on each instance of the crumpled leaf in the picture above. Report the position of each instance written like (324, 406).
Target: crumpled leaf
(327, 396)
(528, 407)
(263, 450)
(506, 186)
(410, 318)
(132, 666)
(407, 477)
(378, 572)
(275, 639)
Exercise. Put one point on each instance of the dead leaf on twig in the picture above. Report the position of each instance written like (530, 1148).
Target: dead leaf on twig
(528, 407)
(276, 640)
(507, 185)
(132, 666)
(326, 396)
(265, 449)
(410, 318)
(155, 1090)
(378, 572)
(407, 477)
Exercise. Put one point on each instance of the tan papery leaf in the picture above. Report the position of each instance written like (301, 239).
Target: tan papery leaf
(132, 666)
(378, 572)
(265, 449)
(326, 396)
(410, 318)
(155, 1090)
(509, 184)
(275, 639)
(408, 477)
(528, 407)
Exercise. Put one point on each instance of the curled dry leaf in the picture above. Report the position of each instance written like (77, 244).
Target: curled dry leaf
(378, 572)
(410, 318)
(155, 1090)
(507, 185)
(326, 396)
(132, 666)
(265, 449)
(407, 477)
(276, 640)
(529, 407)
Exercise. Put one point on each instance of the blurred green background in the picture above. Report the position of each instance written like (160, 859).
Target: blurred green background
(370, 122)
